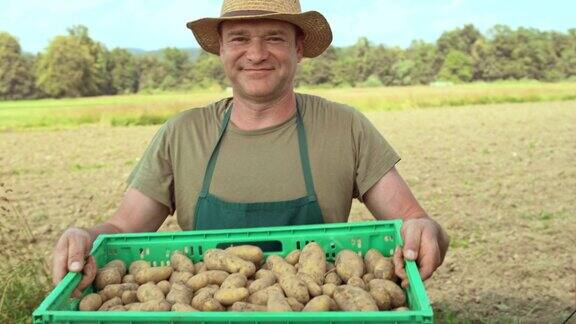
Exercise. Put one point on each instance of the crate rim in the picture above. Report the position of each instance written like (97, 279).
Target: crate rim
(42, 312)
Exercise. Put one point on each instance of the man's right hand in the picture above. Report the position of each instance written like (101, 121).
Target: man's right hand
(72, 254)
(137, 213)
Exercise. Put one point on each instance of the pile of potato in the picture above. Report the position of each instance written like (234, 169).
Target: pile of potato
(238, 279)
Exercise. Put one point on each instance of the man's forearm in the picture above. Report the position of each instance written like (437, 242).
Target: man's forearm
(105, 228)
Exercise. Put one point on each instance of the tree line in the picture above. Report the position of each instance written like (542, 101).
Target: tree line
(75, 65)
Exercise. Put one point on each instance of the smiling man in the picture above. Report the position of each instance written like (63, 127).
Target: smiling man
(267, 156)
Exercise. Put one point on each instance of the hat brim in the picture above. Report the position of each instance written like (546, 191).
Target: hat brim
(317, 32)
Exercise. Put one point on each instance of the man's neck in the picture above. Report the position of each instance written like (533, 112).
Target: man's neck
(253, 115)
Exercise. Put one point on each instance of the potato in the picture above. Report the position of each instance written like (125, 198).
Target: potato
(354, 299)
(129, 297)
(179, 293)
(234, 280)
(312, 262)
(90, 302)
(328, 289)
(110, 303)
(263, 273)
(262, 283)
(357, 282)
(349, 264)
(180, 262)
(159, 305)
(128, 279)
(107, 276)
(149, 291)
(401, 309)
(261, 297)
(205, 302)
(118, 265)
(154, 274)
(333, 278)
(296, 305)
(397, 297)
(250, 253)
(116, 290)
(165, 286)
(180, 277)
(206, 278)
(178, 307)
(368, 277)
(137, 266)
(117, 308)
(294, 287)
(321, 303)
(228, 296)
(313, 288)
(279, 266)
(246, 307)
(217, 259)
(277, 303)
(293, 257)
(381, 266)
(200, 267)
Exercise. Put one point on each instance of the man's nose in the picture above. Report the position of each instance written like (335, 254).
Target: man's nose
(257, 51)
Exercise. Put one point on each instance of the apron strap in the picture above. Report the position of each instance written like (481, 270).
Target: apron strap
(214, 156)
(302, 146)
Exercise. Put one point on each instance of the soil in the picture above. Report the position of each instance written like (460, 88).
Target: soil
(501, 179)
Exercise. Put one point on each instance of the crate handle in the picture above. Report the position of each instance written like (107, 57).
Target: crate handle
(266, 246)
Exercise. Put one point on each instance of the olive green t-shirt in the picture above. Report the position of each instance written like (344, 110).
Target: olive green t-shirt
(347, 157)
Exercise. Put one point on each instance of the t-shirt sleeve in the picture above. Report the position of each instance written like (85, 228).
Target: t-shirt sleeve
(374, 155)
(153, 175)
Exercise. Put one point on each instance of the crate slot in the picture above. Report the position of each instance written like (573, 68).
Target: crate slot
(266, 246)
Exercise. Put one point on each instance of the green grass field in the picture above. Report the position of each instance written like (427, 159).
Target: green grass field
(150, 109)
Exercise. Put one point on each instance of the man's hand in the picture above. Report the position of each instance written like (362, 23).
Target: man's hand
(137, 213)
(424, 241)
(72, 254)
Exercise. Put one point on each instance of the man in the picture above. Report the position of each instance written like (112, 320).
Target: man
(267, 156)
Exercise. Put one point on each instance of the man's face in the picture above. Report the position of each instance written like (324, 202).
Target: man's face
(260, 57)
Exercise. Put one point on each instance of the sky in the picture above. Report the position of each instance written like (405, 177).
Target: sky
(155, 24)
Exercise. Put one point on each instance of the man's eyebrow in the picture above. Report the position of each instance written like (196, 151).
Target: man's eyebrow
(276, 32)
(239, 32)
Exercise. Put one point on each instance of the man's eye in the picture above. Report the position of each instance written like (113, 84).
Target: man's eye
(239, 39)
(275, 39)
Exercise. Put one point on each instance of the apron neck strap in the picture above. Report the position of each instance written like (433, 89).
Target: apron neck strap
(302, 145)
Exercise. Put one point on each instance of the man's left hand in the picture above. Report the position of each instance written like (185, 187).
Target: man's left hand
(425, 242)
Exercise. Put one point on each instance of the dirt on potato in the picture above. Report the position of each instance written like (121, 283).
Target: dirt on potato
(501, 179)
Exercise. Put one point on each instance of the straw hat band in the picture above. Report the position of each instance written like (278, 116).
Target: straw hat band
(239, 13)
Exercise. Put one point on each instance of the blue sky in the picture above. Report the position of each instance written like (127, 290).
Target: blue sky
(154, 24)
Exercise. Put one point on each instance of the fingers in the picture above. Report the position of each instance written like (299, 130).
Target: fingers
(59, 261)
(89, 273)
(399, 269)
(412, 232)
(430, 257)
(76, 253)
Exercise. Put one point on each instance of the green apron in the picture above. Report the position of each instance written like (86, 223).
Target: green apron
(214, 213)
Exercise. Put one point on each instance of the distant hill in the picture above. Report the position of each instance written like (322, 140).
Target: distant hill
(193, 52)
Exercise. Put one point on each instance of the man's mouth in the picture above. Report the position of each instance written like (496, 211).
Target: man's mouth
(257, 70)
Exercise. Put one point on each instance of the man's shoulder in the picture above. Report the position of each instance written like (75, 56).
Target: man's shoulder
(205, 116)
(320, 107)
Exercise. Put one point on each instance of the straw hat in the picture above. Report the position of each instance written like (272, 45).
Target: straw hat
(317, 33)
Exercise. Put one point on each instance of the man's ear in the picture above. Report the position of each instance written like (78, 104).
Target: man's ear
(300, 48)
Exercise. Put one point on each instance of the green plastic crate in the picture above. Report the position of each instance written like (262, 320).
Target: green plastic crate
(59, 307)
